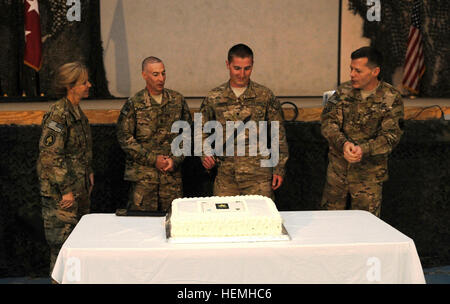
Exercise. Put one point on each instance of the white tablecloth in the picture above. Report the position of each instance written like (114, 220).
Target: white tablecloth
(326, 247)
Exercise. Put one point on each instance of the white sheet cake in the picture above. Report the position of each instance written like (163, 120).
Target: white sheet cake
(228, 216)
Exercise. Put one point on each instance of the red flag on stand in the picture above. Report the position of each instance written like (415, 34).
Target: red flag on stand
(414, 61)
(33, 45)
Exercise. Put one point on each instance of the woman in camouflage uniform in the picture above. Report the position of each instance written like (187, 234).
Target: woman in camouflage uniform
(65, 159)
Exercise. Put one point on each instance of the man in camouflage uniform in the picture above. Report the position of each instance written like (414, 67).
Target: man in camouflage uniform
(236, 100)
(144, 133)
(362, 123)
(65, 172)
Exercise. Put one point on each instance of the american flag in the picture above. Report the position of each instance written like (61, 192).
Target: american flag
(414, 62)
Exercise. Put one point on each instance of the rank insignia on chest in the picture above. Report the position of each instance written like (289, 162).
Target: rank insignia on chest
(55, 126)
(49, 140)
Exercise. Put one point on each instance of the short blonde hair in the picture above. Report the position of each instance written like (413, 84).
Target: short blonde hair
(68, 76)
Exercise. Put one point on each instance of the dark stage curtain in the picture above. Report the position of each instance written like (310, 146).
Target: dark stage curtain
(63, 41)
(415, 199)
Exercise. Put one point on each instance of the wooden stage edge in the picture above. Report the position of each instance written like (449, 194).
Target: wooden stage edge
(22, 116)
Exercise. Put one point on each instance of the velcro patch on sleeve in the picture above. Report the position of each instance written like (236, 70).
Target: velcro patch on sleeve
(333, 99)
(57, 127)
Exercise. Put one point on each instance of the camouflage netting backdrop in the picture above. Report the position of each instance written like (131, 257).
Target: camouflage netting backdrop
(415, 199)
(63, 41)
(67, 41)
(390, 37)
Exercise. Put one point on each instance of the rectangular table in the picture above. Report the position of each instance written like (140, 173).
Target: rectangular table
(326, 247)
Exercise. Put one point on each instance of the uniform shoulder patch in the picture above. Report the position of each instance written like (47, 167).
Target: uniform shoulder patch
(49, 140)
(124, 111)
(127, 106)
(333, 99)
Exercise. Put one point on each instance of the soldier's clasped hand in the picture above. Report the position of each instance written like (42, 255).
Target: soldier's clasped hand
(352, 152)
(161, 162)
(208, 162)
(170, 164)
(67, 201)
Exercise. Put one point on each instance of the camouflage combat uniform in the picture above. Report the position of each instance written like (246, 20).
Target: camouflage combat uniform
(143, 132)
(63, 166)
(374, 124)
(243, 175)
